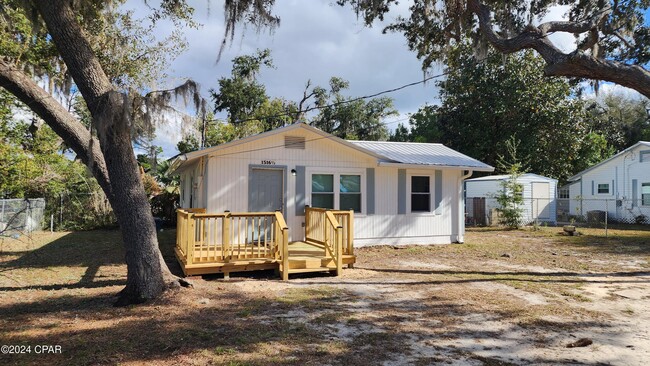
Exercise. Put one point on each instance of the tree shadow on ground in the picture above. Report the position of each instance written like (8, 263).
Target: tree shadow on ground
(82, 249)
(233, 328)
(459, 276)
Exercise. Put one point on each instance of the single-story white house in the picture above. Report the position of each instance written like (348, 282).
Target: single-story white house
(619, 186)
(401, 192)
(539, 195)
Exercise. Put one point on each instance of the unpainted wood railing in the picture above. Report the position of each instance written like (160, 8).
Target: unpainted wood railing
(314, 226)
(224, 237)
(325, 228)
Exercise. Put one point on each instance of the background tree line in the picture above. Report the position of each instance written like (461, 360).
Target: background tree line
(250, 110)
(485, 103)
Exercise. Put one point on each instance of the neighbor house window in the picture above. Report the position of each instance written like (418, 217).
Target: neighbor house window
(350, 193)
(645, 194)
(420, 194)
(644, 156)
(563, 193)
(603, 188)
(322, 190)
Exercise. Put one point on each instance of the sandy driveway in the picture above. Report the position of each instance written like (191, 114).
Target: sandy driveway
(432, 306)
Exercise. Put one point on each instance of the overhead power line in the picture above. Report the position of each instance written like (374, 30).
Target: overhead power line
(343, 102)
(334, 105)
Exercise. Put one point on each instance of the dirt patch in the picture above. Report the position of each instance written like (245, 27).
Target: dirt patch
(461, 304)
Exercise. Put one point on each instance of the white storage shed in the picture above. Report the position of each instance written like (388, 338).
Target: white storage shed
(539, 194)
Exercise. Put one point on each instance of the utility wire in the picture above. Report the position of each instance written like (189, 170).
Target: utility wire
(332, 105)
(336, 104)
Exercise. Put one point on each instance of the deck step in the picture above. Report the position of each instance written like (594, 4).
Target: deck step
(311, 262)
(308, 270)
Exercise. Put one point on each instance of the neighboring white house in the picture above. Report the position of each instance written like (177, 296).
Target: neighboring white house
(619, 186)
(539, 195)
(402, 193)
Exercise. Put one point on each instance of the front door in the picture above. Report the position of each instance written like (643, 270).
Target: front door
(266, 190)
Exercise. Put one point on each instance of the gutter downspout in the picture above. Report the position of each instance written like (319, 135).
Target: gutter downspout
(461, 207)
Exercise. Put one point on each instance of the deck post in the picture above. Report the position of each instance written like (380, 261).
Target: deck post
(326, 237)
(277, 236)
(285, 254)
(339, 250)
(191, 236)
(225, 237)
(307, 222)
(351, 236)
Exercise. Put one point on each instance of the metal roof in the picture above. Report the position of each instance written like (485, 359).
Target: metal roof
(424, 154)
(386, 153)
(181, 160)
(528, 176)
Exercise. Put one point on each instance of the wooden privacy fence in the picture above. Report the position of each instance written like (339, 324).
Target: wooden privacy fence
(225, 237)
(332, 230)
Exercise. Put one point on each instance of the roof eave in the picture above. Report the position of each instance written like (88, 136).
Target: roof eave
(177, 162)
(486, 168)
(578, 176)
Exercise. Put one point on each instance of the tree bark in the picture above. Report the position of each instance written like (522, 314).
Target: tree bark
(147, 274)
(574, 64)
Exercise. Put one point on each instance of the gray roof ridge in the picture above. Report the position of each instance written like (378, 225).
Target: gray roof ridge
(398, 142)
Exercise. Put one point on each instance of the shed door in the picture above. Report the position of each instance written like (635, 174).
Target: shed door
(265, 190)
(541, 201)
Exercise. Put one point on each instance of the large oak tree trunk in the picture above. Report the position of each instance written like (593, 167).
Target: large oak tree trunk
(144, 269)
(147, 273)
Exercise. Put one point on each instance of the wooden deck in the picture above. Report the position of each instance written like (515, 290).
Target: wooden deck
(237, 242)
(303, 257)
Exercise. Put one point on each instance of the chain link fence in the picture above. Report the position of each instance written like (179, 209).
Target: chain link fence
(21, 215)
(603, 211)
(482, 211)
(79, 211)
(60, 212)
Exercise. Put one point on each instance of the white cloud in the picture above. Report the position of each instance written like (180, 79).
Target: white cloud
(606, 88)
(316, 40)
(566, 42)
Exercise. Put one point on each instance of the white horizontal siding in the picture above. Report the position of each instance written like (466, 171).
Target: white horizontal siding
(622, 170)
(492, 188)
(228, 172)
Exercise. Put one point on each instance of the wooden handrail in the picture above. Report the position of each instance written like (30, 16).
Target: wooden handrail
(280, 219)
(204, 238)
(333, 221)
(203, 215)
(223, 237)
(191, 237)
(282, 242)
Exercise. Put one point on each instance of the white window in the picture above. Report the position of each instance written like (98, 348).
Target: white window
(603, 188)
(645, 194)
(563, 193)
(644, 156)
(420, 193)
(337, 190)
(322, 190)
(350, 192)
